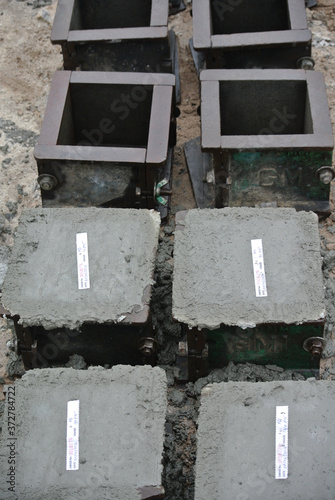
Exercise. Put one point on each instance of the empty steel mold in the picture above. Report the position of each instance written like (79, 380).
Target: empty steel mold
(216, 286)
(107, 140)
(260, 34)
(123, 35)
(108, 320)
(269, 136)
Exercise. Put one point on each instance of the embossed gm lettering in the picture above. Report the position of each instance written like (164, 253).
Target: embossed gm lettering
(256, 342)
(270, 177)
(267, 177)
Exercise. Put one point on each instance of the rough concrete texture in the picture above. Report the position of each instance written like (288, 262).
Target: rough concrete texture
(213, 281)
(121, 433)
(4, 258)
(168, 331)
(41, 283)
(236, 441)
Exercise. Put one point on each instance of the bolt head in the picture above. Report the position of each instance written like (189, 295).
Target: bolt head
(316, 351)
(326, 177)
(306, 63)
(147, 346)
(47, 182)
(315, 346)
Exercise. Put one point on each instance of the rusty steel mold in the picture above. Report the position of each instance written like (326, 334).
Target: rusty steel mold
(107, 140)
(270, 137)
(214, 279)
(120, 36)
(108, 322)
(260, 34)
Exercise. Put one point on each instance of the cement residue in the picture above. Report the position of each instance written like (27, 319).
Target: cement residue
(77, 362)
(213, 281)
(180, 452)
(247, 372)
(14, 363)
(121, 427)
(328, 255)
(167, 330)
(41, 285)
(4, 258)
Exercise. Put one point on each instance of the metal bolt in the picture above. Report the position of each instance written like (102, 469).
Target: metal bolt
(325, 174)
(306, 63)
(210, 177)
(204, 353)
(326, 177)
(47, 182)
(315, 346)
(159, 191)
(148, 346)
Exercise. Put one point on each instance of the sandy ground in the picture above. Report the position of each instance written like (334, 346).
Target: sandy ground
(27, 63)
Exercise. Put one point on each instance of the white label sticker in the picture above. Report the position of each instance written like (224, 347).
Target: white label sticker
(281, 461)
(259, 271)
(82, 261)
(72, 435)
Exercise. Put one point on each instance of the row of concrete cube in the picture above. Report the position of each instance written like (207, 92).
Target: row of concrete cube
(215, 287)
(120, 417)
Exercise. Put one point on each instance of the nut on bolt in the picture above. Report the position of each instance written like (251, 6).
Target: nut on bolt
(325, 174)
(47, 182)
(306, 63)
(148, 346)
(315, 346)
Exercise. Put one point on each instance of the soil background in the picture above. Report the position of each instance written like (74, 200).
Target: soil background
(27, 63)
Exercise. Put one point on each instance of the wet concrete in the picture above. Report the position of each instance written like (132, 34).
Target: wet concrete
(41, 285)
(236, 441)
(213, 281)
(121, 431)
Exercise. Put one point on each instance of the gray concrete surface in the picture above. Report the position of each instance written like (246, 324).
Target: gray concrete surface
(121, 433)
(236, 441)
(213, 281)
(41, 283)
(4, 258)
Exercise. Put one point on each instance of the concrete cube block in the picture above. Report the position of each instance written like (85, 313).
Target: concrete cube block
(41, 288)
(214, 284)
(236, 441)
(121, 434)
